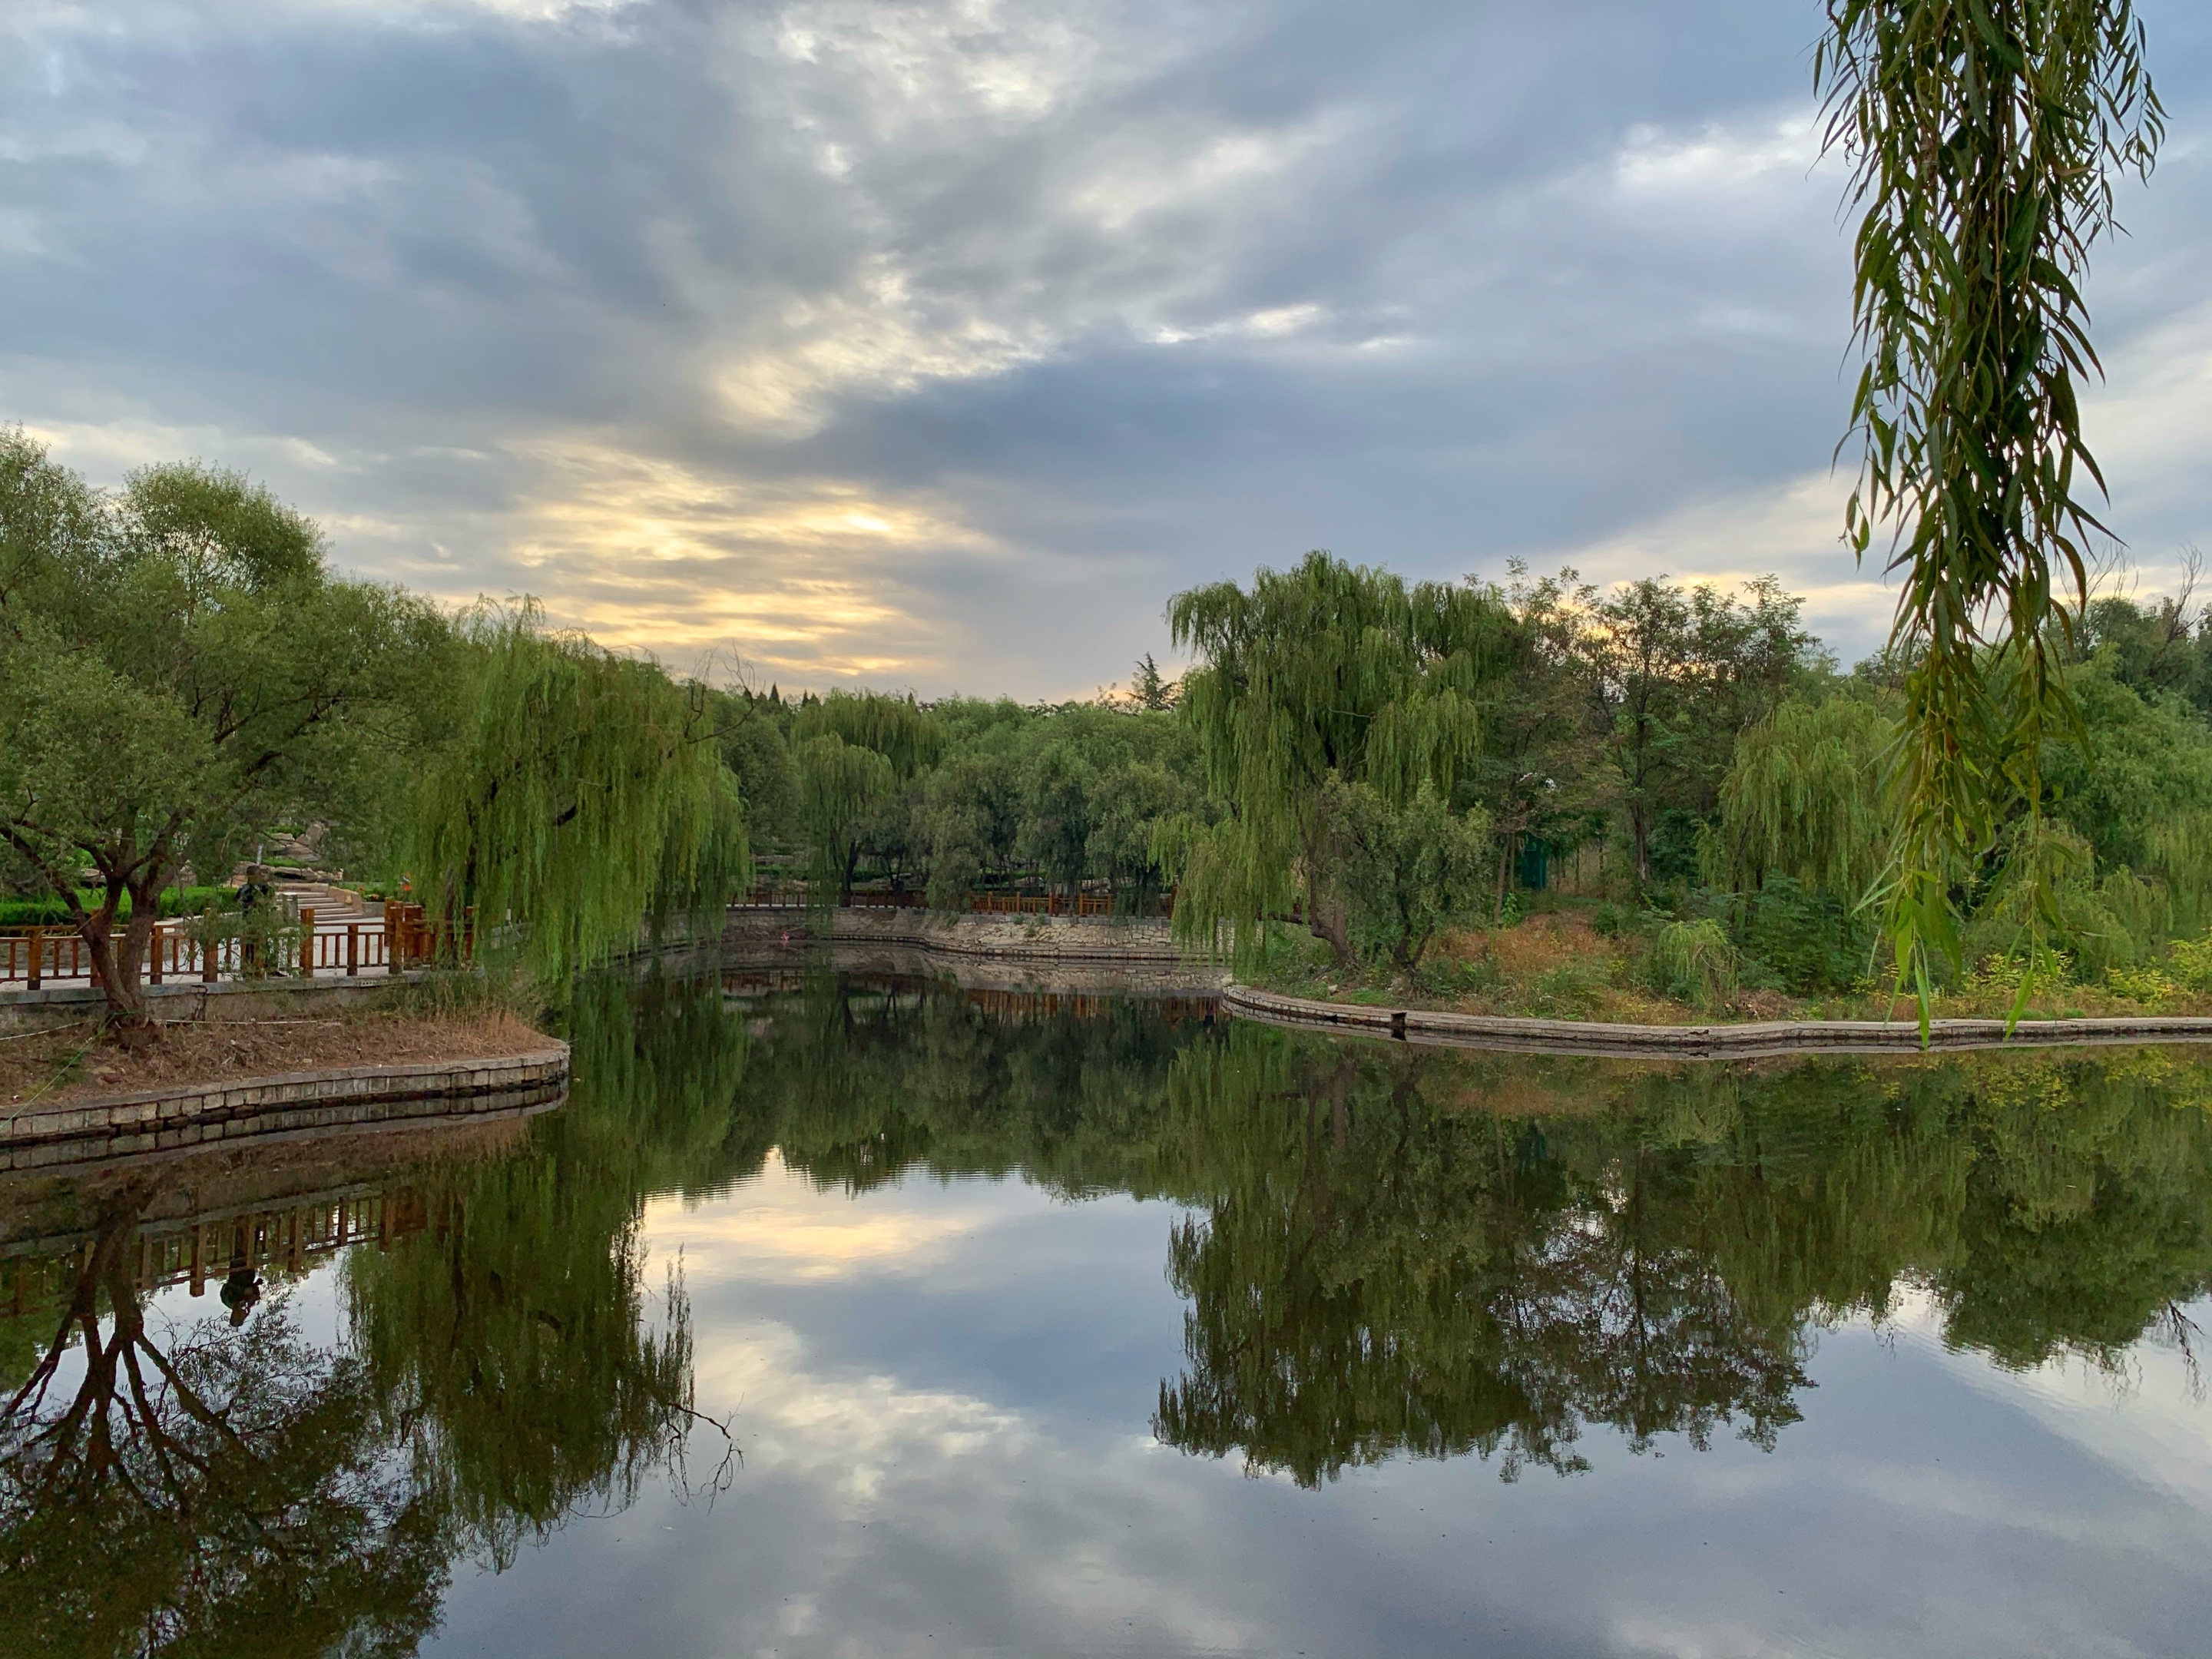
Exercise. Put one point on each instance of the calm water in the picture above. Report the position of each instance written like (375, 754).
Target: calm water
(1043, 1327)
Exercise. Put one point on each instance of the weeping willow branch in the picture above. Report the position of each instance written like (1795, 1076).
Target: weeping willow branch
(582, 794)
(1326, 670)
(1985, 137)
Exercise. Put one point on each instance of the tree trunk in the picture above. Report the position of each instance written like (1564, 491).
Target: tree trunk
(115, 967)
(1329, 922)
(119, 962)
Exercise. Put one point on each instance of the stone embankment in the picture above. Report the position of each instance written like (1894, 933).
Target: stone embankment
(241, 999)
(1132, 953)
(158, 1123)
(1846, 1036)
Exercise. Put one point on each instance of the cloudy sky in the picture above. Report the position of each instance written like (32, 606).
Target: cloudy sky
(934, 345)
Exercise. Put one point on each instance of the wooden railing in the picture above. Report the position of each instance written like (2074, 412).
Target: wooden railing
(31, 957)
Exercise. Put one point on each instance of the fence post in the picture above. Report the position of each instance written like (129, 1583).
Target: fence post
(353, 949)
(37, 956)
(211, 957)
(307, 941)
(391, 952)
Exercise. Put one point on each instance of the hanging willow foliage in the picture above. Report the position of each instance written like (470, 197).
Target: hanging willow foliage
(1802, 798)
(1326, 670)
(582, 793)
(1985, 137)
(897, 728)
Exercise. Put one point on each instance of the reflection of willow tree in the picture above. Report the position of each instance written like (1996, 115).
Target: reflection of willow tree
(236, 1490)
(515, 1339)
(1397, 1251)
(1374, 1275)
(1384, 1265)
(221, 1491)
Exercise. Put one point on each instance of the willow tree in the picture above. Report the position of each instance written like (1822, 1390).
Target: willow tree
(854, 750)
(897, 728)
(1986, 137)
(1327, 669)
(582, 792)
(1801, 798)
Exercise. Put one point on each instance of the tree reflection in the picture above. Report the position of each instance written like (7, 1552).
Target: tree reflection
(227, 1486)
(222, 1488)
(1384, 1251)
(512, 1342)
(1403, 1251)
(1386, 1261)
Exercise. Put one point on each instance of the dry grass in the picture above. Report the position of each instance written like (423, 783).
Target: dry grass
(1555, 965)
(57, 1067)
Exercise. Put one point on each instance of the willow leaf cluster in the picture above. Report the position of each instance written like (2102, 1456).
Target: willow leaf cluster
(1802, 797)
(1327, 669)
(1986, 136)
(582, 792)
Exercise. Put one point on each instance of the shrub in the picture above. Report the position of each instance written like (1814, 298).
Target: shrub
(1809, 937)
(2189, 961)
(1574, 991)
(2148, 986)
(1694, 961)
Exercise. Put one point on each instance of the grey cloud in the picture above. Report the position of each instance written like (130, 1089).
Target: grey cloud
(1095, 299)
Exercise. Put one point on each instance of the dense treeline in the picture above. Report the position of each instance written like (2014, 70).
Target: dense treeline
(1377, 763)
(963, 795)
(182, 675)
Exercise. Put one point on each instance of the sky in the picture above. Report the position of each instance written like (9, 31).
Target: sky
(934, 345)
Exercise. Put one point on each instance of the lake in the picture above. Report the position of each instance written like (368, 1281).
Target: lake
(876, 1315)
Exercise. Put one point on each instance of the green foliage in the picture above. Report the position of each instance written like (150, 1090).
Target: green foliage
(1407, 871)
(1674, 675)
(1802, 797)
(1324, 670)
(753, 747)
(1808, 938)
(1696, 961)
(1986, 141)
(841, 784)
(579, 793)
(2134, 784)
(53, 912)
(897, 728)
(178, 672)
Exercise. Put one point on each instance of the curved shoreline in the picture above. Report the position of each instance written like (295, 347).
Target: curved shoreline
(1838, 1036)
(1141, 956)
(157, 1122)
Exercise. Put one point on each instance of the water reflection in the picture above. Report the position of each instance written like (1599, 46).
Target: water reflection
(226, 1485)
(1404, 1251)
(1380, 1254)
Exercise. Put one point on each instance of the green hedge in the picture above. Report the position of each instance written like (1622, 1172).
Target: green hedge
(52, 913)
